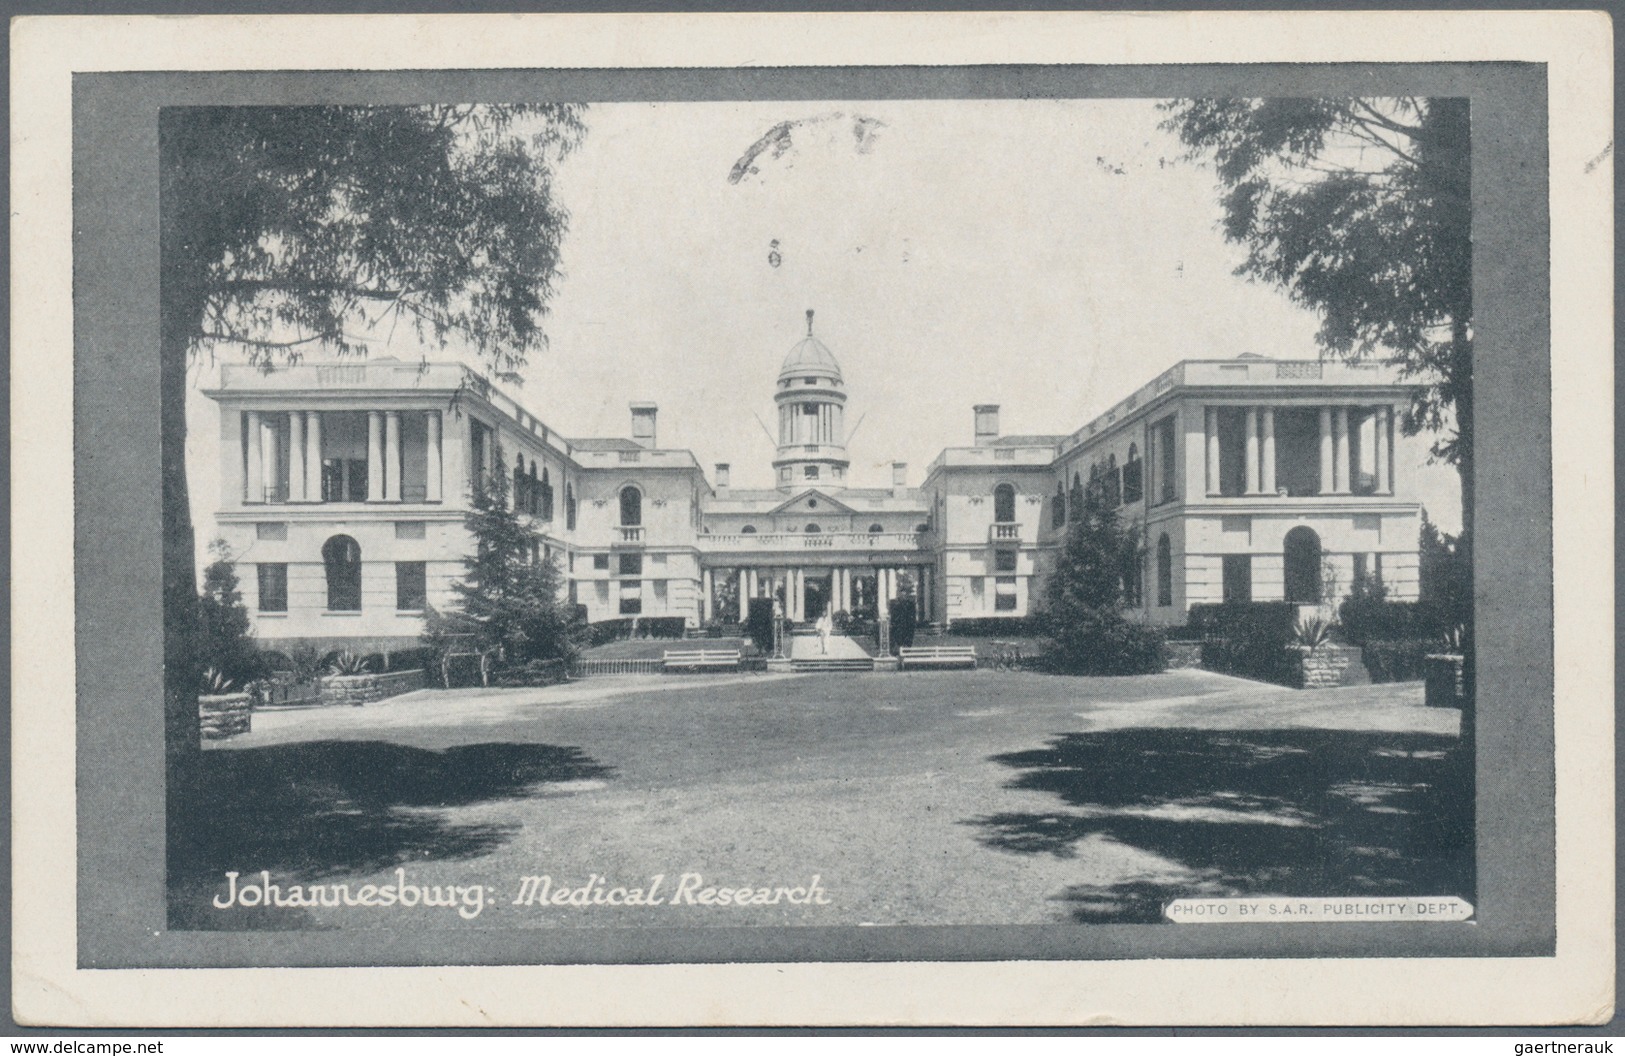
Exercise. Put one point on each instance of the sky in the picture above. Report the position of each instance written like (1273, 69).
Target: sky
(1049, 256)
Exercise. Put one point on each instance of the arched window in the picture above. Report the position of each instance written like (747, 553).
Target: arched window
(1165, 572)
(1004, 503)
(1133, 480)
(569, 506)
(875, 529)
(749, 529)
(341, 556)
(1057, 516)
(631, 507)
(1301, 555)
(547, 496)
(813, 529)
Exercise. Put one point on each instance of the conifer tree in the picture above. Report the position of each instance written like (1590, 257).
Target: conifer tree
(507, 598)
(1084, 626)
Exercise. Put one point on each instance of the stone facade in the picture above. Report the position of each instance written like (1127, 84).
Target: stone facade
(367, 689)
(345, 486)
(1326, 666)
(224, 716)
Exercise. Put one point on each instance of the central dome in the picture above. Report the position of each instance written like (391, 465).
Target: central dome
(810, 355)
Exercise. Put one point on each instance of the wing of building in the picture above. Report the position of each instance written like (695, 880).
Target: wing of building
(345, 487)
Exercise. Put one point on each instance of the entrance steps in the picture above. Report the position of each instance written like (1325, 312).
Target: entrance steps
(832, 663)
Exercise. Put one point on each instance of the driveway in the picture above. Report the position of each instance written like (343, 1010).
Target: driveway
(920, 798)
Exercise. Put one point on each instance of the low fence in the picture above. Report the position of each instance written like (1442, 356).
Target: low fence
(591, 668)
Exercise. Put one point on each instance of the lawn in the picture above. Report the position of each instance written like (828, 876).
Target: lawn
(920, 798)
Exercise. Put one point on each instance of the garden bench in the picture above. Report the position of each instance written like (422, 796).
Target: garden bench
(937, 656)
(694, 659)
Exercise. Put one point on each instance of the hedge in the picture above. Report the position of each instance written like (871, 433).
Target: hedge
(1247, 638)
(605, 631)
(1398, 661)
(903, 622)
(1378, 620)
(995, 626)
(759, 623)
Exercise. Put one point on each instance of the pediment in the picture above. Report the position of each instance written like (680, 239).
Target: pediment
(824, 504)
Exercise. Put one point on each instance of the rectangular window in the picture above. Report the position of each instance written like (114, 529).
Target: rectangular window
(411, 530)
(1004, 594)
(660, 590)
(271, 531)
(1238, 577)
(600, 562)
(1004, 560)
(810, 472)
(273, 587)
(1163, 443)
(411, 586)
(631, 597)
(631, 564)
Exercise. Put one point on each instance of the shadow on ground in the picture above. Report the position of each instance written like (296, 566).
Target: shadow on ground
(1248, 812)
(328, 808)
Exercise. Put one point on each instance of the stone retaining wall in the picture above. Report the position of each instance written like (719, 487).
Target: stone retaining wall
(1323, 667)
(1446, 681)
(366, 689)
(224, 716)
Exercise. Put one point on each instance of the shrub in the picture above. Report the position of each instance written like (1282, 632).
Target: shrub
(1083, 620)
(1247, 638)
(759, 623)
(903, 622)
(347, 663)
(1311, 633)
(1398, 661)
(1367, 619)
(533, 673)
(996, 626)
(616, 630)
(1106, 647)
(225, 641)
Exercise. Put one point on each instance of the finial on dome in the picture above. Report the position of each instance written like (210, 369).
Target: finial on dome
(809, 322)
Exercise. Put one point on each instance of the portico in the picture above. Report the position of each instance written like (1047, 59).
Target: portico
(1297, 449)
(809, 588)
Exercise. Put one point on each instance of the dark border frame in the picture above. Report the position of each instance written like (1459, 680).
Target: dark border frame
(118, 573)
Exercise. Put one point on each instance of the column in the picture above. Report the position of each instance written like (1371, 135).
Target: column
(1252, 450)
(268, 456)
(1212, 452)
(392, 456)
(1382, 423)
(254, 489)
(706, 585)
(296, 456)
(313, 456)
(1267, 469)
(743, 576)
(798, 594)
(1325, 450)
(1340, 433)
(375, 456)
(432, 485)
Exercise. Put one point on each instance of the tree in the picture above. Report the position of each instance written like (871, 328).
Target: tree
(225, 638)
(509, 598)
(1445, 580)
(286, 229)
(1360, 210)
(1083, 618)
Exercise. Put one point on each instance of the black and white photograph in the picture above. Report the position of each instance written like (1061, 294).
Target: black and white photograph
(973, 513)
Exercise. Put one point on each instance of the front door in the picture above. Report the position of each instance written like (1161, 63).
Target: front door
(817, 598)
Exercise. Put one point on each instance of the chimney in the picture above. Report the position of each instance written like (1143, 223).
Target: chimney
(722, 480)
(643, 424)
(987, 423)
(899, 479)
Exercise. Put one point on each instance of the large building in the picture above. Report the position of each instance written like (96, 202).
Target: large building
(344, 490)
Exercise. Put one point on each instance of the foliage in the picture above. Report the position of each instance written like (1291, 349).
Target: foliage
(904, 622)
(534, 673)
(287, 229)
(505, 601)
(1312, 633)
(347, 663)
(1247, 638)
(1367, 615)
(1360, 209)
(759, 624)
(1446, 574)
(605, 631)
(1082, 621)
(307, 663)
(214, 683)
(997, 626)
(1399, 660)
(225, 638)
